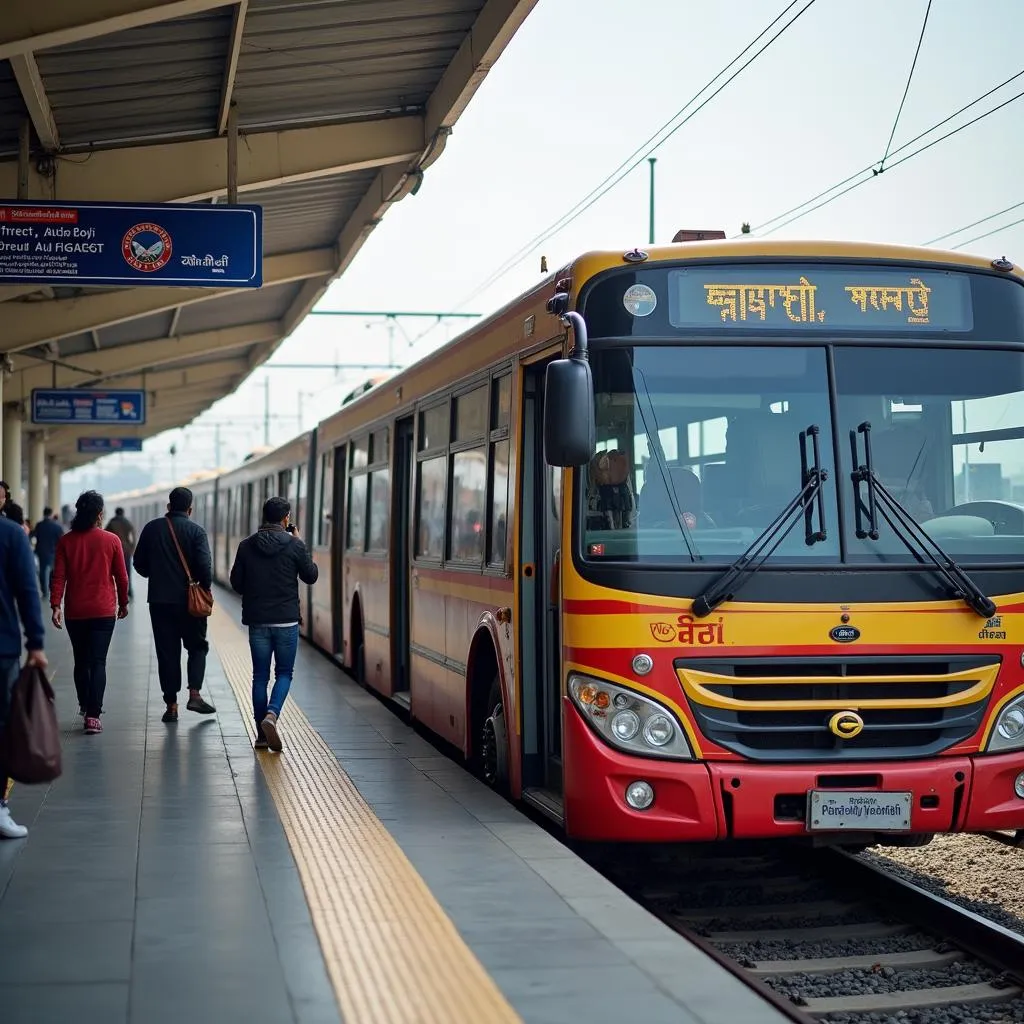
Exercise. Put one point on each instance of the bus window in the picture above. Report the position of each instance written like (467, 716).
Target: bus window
(499, 503)
(430, 509)
(380, 497)
(357, 512)
(469, 487)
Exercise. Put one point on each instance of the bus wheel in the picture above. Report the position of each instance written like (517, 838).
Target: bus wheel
(494, 742)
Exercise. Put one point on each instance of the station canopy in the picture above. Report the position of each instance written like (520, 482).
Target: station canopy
(340, 106)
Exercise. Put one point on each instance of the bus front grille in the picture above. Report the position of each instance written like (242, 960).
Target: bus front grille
(780, 710)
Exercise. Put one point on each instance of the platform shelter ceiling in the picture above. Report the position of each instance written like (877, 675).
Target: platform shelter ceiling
(341, 105)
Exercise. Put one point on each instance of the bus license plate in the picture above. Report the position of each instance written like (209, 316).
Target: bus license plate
(830, 810)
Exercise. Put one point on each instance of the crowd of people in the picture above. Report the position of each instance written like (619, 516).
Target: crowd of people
(85, 572)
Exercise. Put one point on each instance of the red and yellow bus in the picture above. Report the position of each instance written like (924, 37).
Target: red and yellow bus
(716, 540)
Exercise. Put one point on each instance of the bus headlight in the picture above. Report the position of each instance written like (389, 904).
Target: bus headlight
(630, 721)
(1008, 732)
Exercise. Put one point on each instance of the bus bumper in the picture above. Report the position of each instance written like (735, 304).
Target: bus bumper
(700, 801)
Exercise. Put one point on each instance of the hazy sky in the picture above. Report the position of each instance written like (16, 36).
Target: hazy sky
(582, 85)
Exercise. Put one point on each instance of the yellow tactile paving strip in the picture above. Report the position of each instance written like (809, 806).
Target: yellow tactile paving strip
(392, 953)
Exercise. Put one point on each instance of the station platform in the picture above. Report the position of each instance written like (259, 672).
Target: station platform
(173, 873)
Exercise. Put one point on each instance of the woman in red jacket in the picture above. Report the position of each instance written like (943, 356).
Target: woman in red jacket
(89, 564)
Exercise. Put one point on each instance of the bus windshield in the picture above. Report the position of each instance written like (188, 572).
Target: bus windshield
(699, 451)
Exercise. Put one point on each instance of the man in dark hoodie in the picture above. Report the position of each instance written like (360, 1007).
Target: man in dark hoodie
(268, 566)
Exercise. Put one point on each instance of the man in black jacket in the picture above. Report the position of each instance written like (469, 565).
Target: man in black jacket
(268, 566)
(156, 559)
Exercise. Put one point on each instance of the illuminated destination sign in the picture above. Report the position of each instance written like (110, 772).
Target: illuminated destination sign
(773, 296)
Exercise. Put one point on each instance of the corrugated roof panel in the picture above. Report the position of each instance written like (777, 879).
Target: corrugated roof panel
(249, 307)
(146, 328)
(308, 214)
(146, 83)
(76, 345)
(327, 61)
(12, 110)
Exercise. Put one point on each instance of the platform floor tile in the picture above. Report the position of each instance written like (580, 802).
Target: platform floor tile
(156, 883)
(562, 943)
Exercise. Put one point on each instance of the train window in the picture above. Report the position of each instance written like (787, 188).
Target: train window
(380, 497)
(469, 489)
(501, 402)
(430, 509)
(379, 446)
(471, 415)
(499, 503)
(434, 428)
(357, 512)
(360, 453)
(301, 490)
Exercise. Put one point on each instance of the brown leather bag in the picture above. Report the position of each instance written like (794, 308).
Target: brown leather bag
(200, 600)
(30, 745)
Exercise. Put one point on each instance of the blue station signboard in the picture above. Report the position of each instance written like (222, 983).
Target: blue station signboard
(107, 445)
(77, 405)
(126, 245)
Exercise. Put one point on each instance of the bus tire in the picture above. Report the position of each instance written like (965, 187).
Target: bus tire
(494, 757)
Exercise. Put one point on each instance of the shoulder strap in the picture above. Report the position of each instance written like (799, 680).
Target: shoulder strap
(181, 554)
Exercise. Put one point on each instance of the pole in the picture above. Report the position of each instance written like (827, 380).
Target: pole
(24, 155)
(266, 410)
(652, 160)
(232, 155)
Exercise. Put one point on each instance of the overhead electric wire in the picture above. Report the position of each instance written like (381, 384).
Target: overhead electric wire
(909, 156)
(973, 224)
(872, 166)
(910, 78)
(646, 148)
(986, 234)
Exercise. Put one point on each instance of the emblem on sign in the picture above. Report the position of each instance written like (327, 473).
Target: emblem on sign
(146, 247)
(846, 725)
(844, 634)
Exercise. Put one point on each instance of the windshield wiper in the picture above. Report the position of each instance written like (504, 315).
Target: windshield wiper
(915, 539)
(643, 396)
(809, 500)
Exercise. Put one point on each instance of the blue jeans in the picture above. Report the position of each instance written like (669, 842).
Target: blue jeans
(282, 644)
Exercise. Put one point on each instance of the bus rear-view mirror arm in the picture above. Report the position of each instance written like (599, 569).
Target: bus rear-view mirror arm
(570, 432)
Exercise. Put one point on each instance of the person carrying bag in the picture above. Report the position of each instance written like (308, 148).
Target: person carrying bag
(200, 600)
(30, 750)
(180, 603)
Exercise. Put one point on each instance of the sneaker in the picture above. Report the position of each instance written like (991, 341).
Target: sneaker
(261, 743)
(269, 727)
(9, 828)
(197, 704)
(171, 714)
(92, 726)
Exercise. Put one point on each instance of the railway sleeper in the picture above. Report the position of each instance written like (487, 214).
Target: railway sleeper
(780, 911)
(921, 959)
(888, 1002)
(835, 932)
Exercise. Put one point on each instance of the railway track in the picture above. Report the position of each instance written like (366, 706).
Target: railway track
(827, 936)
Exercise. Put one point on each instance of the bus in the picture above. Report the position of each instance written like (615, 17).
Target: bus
(716, 540)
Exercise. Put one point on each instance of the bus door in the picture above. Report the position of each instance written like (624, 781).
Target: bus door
(401, 560)
(539, 598)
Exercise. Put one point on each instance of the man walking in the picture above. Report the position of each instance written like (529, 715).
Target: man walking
(122, 527)
(19, 593)
(156, 559)
(46, 533)
(268, 566)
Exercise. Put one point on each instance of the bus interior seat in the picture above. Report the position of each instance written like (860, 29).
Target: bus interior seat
(762, 465)
(655, 503)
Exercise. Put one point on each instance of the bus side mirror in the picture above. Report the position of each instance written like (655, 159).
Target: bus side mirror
(570, 433)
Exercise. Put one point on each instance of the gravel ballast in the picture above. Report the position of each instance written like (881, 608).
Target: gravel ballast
(974, 872)
(985, 1013)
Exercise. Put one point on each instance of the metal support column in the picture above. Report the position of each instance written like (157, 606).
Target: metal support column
(36, 475)
(53, 483)
(12, 451)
